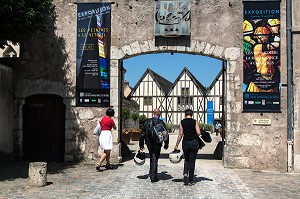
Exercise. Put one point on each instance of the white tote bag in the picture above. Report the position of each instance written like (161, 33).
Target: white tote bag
(97, 129)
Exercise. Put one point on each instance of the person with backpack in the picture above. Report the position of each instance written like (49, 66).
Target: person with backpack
(189, 130)
(154, 134)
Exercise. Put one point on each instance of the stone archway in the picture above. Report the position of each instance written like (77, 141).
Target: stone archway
(230, 54)
(43, 89)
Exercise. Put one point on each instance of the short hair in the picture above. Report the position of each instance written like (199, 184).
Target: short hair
(188, 112)
(156, 112)
(110, 112)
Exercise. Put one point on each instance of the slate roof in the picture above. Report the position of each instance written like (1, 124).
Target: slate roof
(164, 84)
(214, 82)
(193, 78)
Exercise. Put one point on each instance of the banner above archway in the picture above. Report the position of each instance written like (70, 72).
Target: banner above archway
(261, 59)
(93, 54)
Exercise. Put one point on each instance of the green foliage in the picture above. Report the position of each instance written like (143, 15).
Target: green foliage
(135, 116)
(142, 119)
(169, 127)
(206, 127)
(20, 19)
(125, 115)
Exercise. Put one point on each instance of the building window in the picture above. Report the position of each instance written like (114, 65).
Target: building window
(185, 91)
(184, 101)
(221, 101)
(148, 101)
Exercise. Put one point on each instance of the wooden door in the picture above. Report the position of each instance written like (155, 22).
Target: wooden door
(44, 128)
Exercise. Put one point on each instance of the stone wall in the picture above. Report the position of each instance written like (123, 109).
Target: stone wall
(6, 113)
(296, 82)
(216, 30)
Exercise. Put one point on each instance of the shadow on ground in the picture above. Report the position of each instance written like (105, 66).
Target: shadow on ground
(14, 170)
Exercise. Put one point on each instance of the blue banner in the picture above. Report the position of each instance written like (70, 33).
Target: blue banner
(210, 112)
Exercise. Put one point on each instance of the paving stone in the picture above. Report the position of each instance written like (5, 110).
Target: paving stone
(131, 181)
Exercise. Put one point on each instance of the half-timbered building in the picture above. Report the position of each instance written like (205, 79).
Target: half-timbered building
(186, 92)
(153, 91)
(150, 92)
(214, 94)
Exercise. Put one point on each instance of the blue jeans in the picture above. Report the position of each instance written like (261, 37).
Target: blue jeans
(190, 149)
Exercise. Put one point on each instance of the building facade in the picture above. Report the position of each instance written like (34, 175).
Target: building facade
(46, 73)
(174, 98)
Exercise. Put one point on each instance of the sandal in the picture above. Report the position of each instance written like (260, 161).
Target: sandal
(98, 167)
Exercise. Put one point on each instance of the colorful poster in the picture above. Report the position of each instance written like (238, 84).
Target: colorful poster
(261, 59)
(93, 54)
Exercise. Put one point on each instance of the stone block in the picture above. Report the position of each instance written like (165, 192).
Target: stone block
(135, 47)
(232, 53)
(218, 52)
(116, 53)
(231, 66)
(127, 50)
(114, 82)
(181, 48)
(152, 45)
(37, 174)
(145, 47)
(69, 146)
(69, 158)
(209, 48)
(191, 48)
(69, 134)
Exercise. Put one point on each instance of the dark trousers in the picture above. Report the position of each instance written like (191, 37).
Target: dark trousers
(154, 152)
(190, 149)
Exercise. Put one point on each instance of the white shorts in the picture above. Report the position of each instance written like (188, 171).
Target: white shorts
(105, 140)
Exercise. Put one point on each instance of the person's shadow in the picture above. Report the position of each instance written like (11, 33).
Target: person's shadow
(196, 179)
(161, 176)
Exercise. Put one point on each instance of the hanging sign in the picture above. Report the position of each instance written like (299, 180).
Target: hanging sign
(210, 112)
(172, 18)
(93, 54)
(261, 58)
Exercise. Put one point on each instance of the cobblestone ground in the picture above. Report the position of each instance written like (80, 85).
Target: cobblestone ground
(131, 181)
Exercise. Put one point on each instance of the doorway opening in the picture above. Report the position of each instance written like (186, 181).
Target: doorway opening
(174, 82)
(44, 128)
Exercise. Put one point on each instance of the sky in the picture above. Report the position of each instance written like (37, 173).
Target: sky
(205, 69)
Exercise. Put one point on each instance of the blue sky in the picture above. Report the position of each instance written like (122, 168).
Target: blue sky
(169, 66)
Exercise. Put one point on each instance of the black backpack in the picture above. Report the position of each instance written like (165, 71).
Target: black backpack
(158, 131)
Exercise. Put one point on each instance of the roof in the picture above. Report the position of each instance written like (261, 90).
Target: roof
(164, 84)
(214, 82)
(193, 78)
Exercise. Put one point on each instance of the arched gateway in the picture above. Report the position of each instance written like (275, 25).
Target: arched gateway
(216, 30)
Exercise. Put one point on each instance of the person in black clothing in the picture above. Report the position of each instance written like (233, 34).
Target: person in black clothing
(190, 131)
(154, 148)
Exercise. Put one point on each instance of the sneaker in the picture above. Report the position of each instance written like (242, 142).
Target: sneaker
(185, 179)
(97, 167)
(192, 183)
